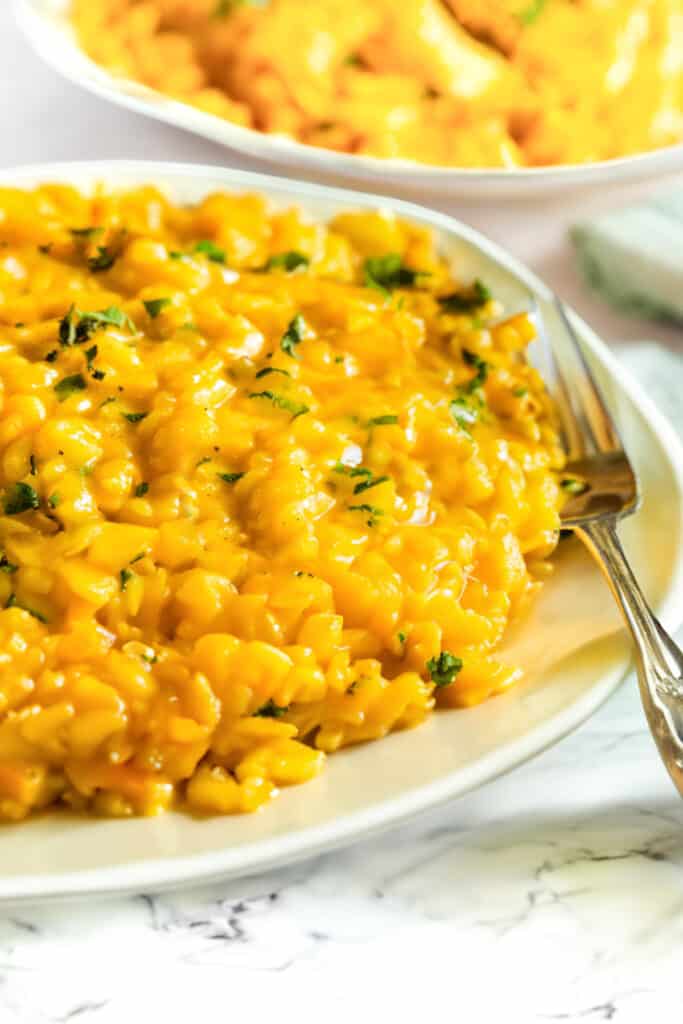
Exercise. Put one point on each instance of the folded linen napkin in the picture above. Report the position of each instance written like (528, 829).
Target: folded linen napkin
(634, 255)
(659, 373)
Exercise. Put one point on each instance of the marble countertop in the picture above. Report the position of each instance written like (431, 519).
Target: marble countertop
(555, 894)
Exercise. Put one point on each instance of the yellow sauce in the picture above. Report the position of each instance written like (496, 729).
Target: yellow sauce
(267, 488)
(465, 83)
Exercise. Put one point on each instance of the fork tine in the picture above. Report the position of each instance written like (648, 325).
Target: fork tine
(587, 423)
(551, 373)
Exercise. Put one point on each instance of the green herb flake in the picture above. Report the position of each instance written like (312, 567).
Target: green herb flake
(32, 464)
(7, 566)
(293, 336)
(175, 255)
(467, 300)
(388, 272)
(68, 386)
(382, 421)
(51, 356)
(296, 408)
(225, 7)
(210, 250)
(67, 328)
(138, 558)
(287, 261)
(86, 233)
(401, 637)
(54, 500)
(230, 478)
(482, 368)
(155, 306)
(104, 260)
(271, 710)
(573, 486)
(134, 417)
(20, 498)
(532, 12)
(141, 489)
(271, 369)
(371, 481)
(90, 354)
(444, 669)
(125, 576)
(463, 413)
(520, 392)
(203, 462)
(13, 603)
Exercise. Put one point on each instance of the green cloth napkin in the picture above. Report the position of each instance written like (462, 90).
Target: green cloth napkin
(634, 256)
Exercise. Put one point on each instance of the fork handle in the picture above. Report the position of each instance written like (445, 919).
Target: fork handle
(659, 660)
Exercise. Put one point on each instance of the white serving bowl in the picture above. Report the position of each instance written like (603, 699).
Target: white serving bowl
(46, 26)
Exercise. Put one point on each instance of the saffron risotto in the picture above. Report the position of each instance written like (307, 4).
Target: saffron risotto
(268, 488)
(460, 83)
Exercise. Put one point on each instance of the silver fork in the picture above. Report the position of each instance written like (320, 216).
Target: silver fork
(595, 455)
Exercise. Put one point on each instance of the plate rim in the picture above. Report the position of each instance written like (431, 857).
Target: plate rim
(278, 149)
(264, 854)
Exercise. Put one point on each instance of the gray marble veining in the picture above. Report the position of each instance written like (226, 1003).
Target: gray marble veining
(555, 894)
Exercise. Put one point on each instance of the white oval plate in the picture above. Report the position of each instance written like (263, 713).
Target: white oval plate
(47, 28)
(571, 647)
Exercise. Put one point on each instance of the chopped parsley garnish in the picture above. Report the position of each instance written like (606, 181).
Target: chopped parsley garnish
(372, 511)
(13, 603)
(271, 710)
(341, 467)
(382, 421)
(175, 255)
(76, 327)
(573, 486)
(464, 414)
(90, 354)
(138, 558)
(388, 272)
(401, 637)
(482, 368)
(54, 500)
(225, 7)
(211, 251)
(444, 669)
(67, 327)
(271, 369)
(6, 566)
(467, 300)
(296, 408)
(103, 261)
(69, 386)
(293, 336)
(32, 465)
(51, 356)
(141, 489)
(531, 13)
(155, 306)
(230, 478)
(134, 417)
(203, 462)
(20, 498)
(353, 60)
(87, 233)
(520, 392)
(287, 261)
(125, 576)
(371, 481)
